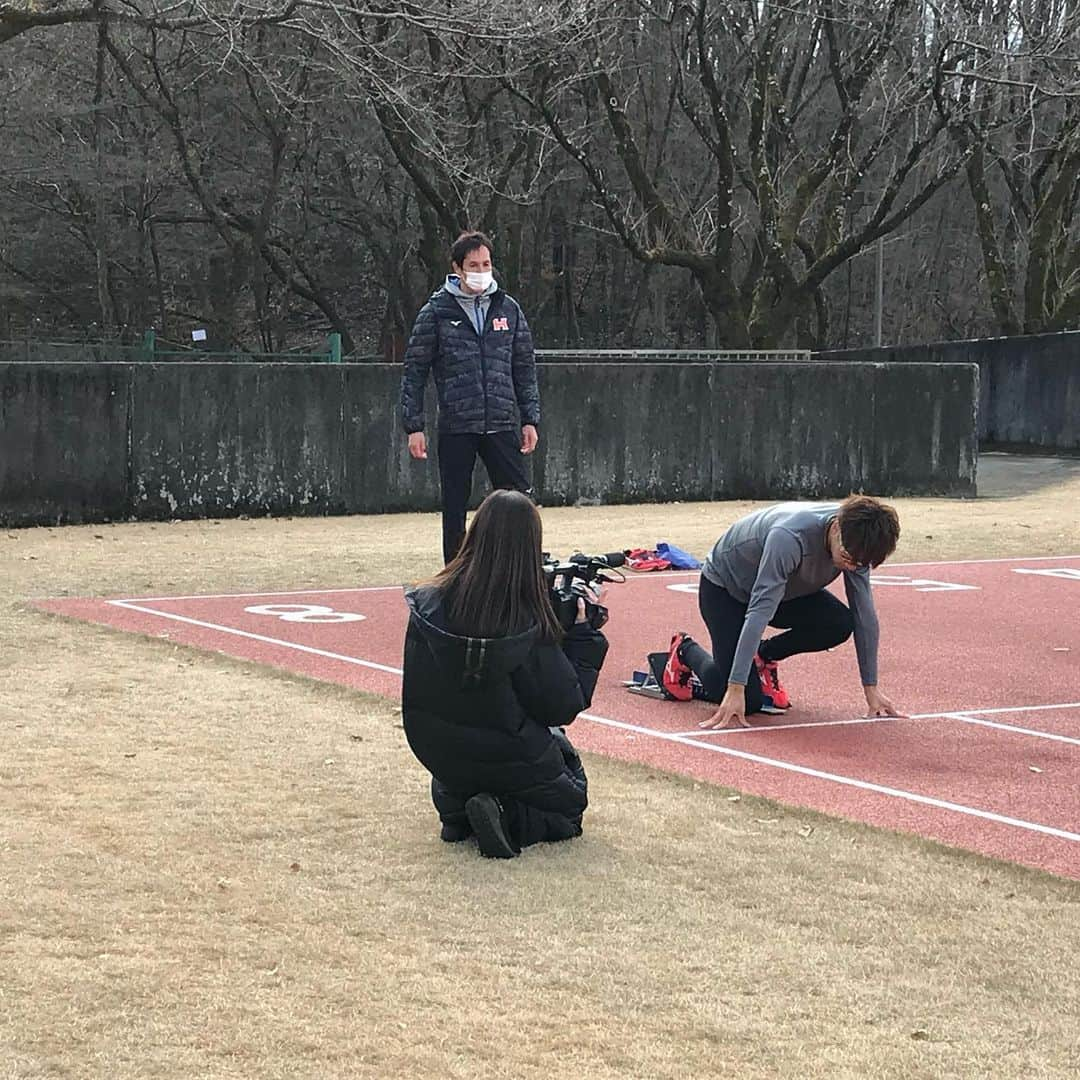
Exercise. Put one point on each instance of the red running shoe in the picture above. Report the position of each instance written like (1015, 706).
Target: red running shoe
(676, 674)
(769, 674)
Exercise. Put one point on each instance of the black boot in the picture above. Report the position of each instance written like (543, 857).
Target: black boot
(453, 832)
(488, 819)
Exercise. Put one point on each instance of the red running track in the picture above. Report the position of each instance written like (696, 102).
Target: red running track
(983, 654)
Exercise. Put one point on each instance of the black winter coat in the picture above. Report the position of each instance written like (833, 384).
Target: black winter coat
(484, 383)
(477, 711)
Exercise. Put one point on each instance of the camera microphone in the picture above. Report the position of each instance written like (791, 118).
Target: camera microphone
(612, 559)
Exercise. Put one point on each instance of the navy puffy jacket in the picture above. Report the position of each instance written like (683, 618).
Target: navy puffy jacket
(484, 383)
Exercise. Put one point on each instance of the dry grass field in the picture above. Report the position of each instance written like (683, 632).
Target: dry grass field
(212, 869)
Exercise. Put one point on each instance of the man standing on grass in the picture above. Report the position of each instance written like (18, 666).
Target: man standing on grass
(476, 340)
(770, 569)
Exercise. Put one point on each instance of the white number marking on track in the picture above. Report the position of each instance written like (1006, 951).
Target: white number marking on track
(918, 584)
(305, 613)
(921, 584)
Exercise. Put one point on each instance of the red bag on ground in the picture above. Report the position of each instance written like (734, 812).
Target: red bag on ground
(643, 559)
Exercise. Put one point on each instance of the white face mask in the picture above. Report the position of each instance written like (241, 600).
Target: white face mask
(479, 282)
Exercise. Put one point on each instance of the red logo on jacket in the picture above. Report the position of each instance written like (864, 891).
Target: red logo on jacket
(499, 324)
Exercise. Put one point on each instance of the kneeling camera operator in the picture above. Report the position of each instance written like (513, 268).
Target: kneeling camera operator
(501, 654)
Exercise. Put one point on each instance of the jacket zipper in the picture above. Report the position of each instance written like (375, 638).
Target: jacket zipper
(483, 360)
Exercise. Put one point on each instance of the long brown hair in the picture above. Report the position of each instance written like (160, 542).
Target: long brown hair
(495, 585)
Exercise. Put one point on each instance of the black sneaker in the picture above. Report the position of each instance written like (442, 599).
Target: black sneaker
(488, 820)
(454, 833)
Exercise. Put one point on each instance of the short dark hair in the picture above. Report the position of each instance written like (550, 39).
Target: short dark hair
(466, 243)
(495, 585)
(869, 529)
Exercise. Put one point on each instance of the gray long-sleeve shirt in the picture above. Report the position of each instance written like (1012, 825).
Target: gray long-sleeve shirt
(780, 553)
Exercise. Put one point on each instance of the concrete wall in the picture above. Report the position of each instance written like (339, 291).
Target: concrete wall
(1029, 386)
(212, 439)
(640, 433)
(63, 443)
(92, 442)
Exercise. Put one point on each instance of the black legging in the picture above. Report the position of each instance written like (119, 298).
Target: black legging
(813, 623)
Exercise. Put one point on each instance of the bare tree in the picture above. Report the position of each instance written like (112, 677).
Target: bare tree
(21, 16)
(1016, 65)
(667, 171)
(785, 113)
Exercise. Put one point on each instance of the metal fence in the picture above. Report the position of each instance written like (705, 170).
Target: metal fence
(670, 356)
(151, 350)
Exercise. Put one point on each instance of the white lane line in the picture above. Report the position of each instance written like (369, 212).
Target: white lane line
(968, 716)
(1005, 709)
(128, 605)
(1012, 727)
(656, 575)
(246, 595)
(667, 574)
(790, 727)
(846, 781)
(976, 562)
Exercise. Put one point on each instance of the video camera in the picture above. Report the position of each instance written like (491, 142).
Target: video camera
(574, 579)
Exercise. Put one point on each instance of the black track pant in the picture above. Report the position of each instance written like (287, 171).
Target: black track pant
(528, 824)
(813, 623)
(502, 457)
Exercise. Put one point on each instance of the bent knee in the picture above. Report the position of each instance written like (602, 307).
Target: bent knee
(841, 626)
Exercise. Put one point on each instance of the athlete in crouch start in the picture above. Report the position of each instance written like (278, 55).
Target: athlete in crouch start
(771, 568)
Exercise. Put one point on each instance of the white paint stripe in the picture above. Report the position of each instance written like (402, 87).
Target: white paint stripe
(846, 781)
(976, 562)
(130, 606)
(660, 575)
(246, 595)
(666, 575)
(1012, 727)
(1006, 709)
(790, 727)
(966, 717)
